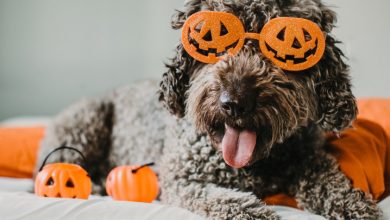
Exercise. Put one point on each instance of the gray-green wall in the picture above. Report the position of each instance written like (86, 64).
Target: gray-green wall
(52, 52)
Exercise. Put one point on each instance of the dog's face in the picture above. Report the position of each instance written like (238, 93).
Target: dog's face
(245, 103)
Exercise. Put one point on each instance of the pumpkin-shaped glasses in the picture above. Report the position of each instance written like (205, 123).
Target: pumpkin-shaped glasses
(293, 44)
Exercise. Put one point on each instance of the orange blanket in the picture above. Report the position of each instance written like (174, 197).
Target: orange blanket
(363, 153)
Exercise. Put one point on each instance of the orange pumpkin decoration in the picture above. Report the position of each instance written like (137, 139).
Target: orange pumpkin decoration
(208, 36)
(292, 43)
(133, 183)
(63, 180)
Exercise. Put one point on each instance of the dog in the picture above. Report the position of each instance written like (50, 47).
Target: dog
(236, 131)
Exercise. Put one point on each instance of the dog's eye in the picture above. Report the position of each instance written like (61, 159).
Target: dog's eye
(307, 35)
(285, 85)
(198, 27)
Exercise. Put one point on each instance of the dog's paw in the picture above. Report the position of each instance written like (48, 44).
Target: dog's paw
(355, 205)
(361, 206)
(236, 211)
(239, 206)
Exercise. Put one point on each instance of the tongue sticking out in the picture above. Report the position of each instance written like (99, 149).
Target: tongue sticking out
(238, 146)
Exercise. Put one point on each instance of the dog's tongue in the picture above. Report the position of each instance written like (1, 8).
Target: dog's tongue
(238, 146)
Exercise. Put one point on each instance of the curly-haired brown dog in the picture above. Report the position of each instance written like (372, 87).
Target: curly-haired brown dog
(239, 99)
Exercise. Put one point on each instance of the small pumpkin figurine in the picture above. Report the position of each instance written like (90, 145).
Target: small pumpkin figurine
(63, 180)
(133, 183)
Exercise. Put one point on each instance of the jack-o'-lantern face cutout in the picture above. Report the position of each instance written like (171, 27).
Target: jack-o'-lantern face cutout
(292, 43)
(207, 36)
(63, 180)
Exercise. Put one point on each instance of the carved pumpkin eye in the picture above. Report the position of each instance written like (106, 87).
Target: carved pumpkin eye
(69, 183)
(292, 43)
(224, 30)
(50, 182)
(208, 36)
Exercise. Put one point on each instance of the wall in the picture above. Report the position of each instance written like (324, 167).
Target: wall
(364, 28)
(54, 52)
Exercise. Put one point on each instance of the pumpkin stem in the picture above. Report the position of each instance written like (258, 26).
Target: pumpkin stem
(148, 164)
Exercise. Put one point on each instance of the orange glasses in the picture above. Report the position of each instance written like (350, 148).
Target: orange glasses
(293, 44)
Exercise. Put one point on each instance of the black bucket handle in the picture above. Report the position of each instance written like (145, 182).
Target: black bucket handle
(61, 148)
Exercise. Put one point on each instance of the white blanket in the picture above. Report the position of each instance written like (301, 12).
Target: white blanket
(16, 202)
(23, 205)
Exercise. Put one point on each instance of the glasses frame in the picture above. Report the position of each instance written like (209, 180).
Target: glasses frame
(298, 28)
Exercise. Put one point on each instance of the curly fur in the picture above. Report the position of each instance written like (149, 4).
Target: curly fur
(292, 113)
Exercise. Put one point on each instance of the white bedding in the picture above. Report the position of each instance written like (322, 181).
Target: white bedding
(23, 205)
(18, 202)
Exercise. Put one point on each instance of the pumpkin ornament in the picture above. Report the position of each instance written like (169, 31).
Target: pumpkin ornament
(208, 35)
(293, 44)
(133, 183)
(63, 180)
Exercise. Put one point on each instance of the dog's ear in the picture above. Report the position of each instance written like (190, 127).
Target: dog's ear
(336, 103)
(175, 82)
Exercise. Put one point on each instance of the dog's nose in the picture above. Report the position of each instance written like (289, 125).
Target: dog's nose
(235, 107)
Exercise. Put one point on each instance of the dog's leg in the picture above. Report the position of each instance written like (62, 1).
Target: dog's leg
(215, 202)
(85, 126)
(325, 190)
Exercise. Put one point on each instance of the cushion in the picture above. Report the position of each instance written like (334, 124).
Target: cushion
(18, 150)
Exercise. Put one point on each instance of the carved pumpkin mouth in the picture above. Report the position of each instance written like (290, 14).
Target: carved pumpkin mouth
(308, 53)
(211, 50)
